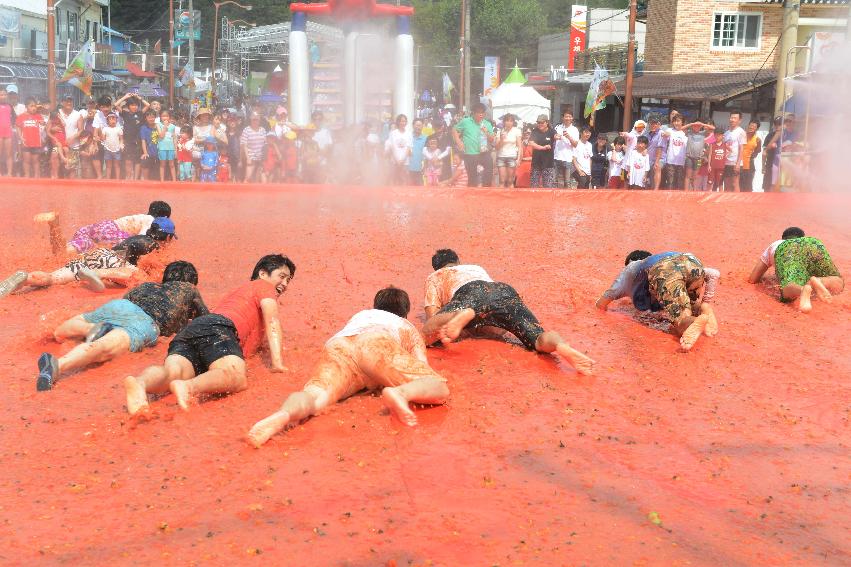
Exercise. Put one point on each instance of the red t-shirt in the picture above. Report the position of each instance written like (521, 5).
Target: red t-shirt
(718, 155)
(242, 306)
(31, 126)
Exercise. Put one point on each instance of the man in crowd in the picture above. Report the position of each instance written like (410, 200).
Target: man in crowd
(735, 139)
(565, 143)
(771, 149)
(750, 151)
(72, 122)
(542, 141)
(472, 136)
(415, 160)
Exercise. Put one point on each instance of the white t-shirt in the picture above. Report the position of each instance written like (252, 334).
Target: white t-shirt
(563, 148)
(398, 143)
(511, 141)
(768, 254)
(582, 154)
(615, 163)
(99, 121)
(677, 147)
(376, 320)
(735, 139)
(112, 138)
(71, 122)
(134, 224)
(442, 284)
(639, 165)
(323, 139)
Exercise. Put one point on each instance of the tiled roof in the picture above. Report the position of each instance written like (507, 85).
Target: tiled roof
(715, 87)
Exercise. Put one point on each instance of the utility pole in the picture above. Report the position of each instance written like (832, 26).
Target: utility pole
(51, 54)
(171, 54)
(466, 48)
(463, 45)
(191, 54)
(630, 67)
(788, 39)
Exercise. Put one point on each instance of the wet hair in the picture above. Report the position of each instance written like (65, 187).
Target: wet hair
(393, 300)
(180, 271)
(159, 209)
(755, 121)
(642, 140)
(585, 129)
(719, 134)
(132, 100)
(619, 140)
(432, 138)
(793, 232)
(442, 257)
(30, 100)
(104, 101)
(271, 262)
(636, 255)
(478, 107)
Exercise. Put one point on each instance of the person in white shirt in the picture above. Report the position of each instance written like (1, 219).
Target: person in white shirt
(377, 349)
(803, 265)
(582, 159)
(675, 159)
(567, 138)
(735, 138)
(463, 298)
(616, 164)
(508, 150)
(637, 165)
(399, 145)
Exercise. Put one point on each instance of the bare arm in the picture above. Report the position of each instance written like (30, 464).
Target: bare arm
(456, 137)
(430, 311)
(758, 271)
(603, 303)
(269, 308)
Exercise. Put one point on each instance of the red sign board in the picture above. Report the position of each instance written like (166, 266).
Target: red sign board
(578, 28)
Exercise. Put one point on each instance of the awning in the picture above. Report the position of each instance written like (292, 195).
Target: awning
(39, 72)
(137, 71)
(714, 87)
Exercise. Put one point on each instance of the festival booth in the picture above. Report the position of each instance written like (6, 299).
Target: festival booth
(512, 96)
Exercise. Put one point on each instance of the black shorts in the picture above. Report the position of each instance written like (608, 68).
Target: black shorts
(132, 151)
(497, 305)
(730, 171)
(205, 340)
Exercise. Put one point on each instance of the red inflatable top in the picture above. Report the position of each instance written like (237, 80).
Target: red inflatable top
(352, 9)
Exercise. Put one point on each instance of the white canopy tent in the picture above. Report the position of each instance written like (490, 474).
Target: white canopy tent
(523, 102)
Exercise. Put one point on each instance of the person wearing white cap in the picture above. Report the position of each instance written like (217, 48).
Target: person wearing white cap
(14, 100)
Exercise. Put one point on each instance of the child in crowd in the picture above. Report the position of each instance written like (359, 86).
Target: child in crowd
(89, 162)
(718, 153)
(223, 169)
(7, 115)
(290, 157)
(29, 126)
(459, 173)
(148, 133)
(582, 153)
(638, 164)
(234, 145)
(165, 145)
(272, 162)
(209, 160)
(112, 139)
(696, 133)
(433, 160)
(184, 155)
(600, 162)
(616, 164)
(59, 146)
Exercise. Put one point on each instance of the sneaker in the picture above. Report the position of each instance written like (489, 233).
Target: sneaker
(99, 330)
(91, 279)
(12, 283)
(48, 368)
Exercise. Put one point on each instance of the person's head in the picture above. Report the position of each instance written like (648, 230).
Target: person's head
(417, 126)
(602, 140)
(655, 122)
(641, 143)
(585, 134)
(185, 135)
(432, 142)
(112, 119)
(526, 135)
(203, 117)
(789, 122)
(677, 122)
(393, 300)
(132, 104)
(401, 121)
(159, 209)
(68, 104)
(639, 127)
(317, 118)
(443, 257)
(254, 121)
(151, 118)
(619, 143)
(543, 122)
(162, 229)
(276, 269)
(4, 96)
(165, 117)
(478, 112)
(778, 121)
(508, 121)
(697, 127)
(12, 92)
(753, 126)
(180, 271)
(104, 104)
(85, 137)
(735, 119)
(567, 117)
(793, 232)
(635, 256)
(719, 136)
(31, 105)
(210, 144)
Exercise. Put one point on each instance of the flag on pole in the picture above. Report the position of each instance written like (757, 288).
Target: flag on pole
(448, 87)
(158, 46)
(79, 71)
(186, 77)
(601, 87)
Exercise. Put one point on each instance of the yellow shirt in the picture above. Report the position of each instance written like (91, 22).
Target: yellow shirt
(747, 150)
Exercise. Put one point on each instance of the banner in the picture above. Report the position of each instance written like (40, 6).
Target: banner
(10, 24)
(181, 24)
(79, 71)
(822, 46)
(601, 87)
(491, 80)
(578, 29)
(448, 87)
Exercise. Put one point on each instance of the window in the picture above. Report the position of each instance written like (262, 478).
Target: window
(72, 26)
(736, 30)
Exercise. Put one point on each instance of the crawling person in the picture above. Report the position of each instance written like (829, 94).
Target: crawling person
(105, 232)
(802, 265)
(146, 312)
(673, 282)
(377, 349)
(463, 296)
(117, 264)
(208, 356)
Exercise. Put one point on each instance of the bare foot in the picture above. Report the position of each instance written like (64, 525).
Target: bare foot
(137, 398)
(582, 364)
(711, 325)
(91, 279)
(181, 392)
(805, 304)
(398, 406)
(264, 429)
(821, 291)
(451, 330)
(693, 332)
(45, 217)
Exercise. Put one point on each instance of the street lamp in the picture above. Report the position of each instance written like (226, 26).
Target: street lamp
(216, 37)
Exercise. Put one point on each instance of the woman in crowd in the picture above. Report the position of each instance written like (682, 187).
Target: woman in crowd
(508, 150)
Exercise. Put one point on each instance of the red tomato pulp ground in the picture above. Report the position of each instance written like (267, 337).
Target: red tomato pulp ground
(734, 453)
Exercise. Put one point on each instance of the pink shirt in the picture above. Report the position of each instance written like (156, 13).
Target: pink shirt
(5, 121)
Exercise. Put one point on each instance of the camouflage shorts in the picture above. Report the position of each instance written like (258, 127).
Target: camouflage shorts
(670, 281)
(797, 259)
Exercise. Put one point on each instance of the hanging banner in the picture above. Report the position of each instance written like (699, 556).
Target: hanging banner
(823, 45)
(491, 80)
(181, 24)
(578, 29)
(79, 71)
(10, 24)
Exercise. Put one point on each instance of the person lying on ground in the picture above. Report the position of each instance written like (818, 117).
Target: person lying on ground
(146, 312)
(377, 349)
(673, 282)
(208, 355)
(802, 265)
(118, 264)
(463, 296)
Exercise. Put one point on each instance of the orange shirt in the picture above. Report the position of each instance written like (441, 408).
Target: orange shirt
(748, 150)
(242, 306)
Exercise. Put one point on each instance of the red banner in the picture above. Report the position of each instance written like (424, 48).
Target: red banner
(578, 29)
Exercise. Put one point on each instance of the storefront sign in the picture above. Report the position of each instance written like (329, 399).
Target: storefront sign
(491, 74)
(578, 29)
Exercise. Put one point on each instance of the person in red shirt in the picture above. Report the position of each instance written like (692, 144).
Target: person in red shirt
(29, 126)
(208, 355)
(718, 153)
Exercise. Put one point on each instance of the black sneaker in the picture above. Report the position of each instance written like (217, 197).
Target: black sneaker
(99, 330)
(48, 368)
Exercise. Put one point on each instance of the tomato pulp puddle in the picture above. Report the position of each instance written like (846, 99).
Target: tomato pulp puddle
(734, 453)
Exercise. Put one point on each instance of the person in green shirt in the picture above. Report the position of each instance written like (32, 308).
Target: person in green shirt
(472, 137)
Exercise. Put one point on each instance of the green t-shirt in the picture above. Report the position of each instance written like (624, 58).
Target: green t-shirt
(471, 134)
